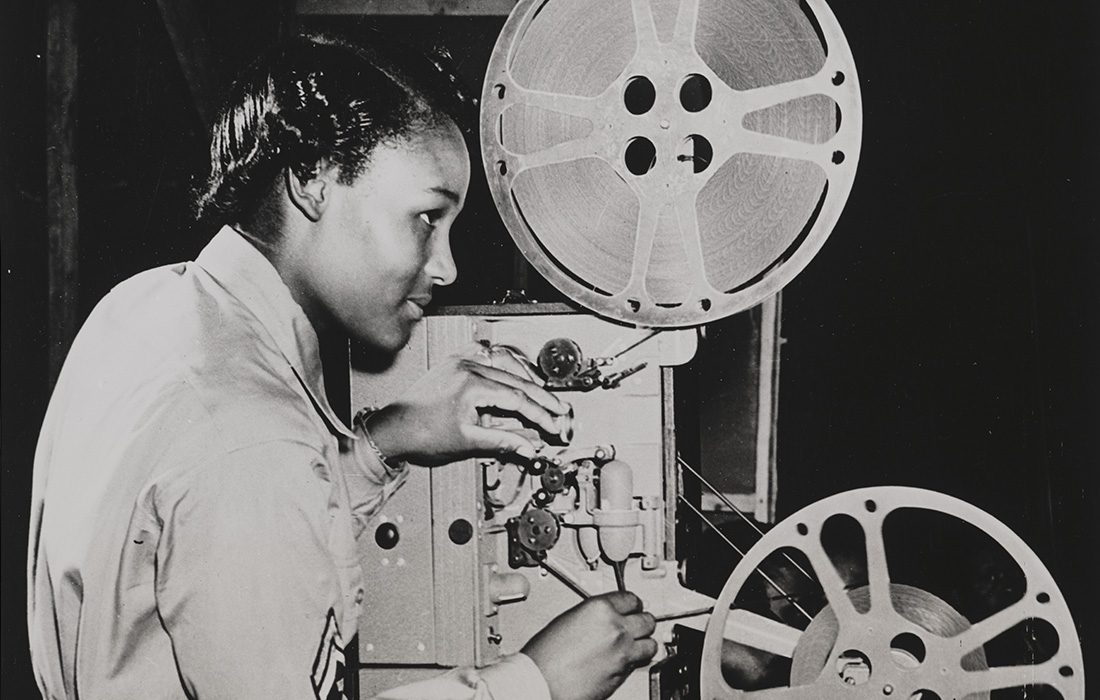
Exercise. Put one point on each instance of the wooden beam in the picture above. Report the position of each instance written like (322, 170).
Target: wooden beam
(767, 417)
(62, 205)
(192, 51)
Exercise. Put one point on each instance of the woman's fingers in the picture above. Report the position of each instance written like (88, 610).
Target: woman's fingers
(497, 395)
(642, 651)
(499, 441)
(640, 625)
(510, 359)
(502, 390)
(534, 391)
(514, 361)
(486, 400)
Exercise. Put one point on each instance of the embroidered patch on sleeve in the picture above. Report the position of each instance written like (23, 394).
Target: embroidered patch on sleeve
(330, 666)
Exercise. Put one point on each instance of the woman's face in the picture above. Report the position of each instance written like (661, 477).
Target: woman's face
(383, 242)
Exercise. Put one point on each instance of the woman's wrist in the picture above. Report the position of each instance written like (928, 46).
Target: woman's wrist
(375, 428)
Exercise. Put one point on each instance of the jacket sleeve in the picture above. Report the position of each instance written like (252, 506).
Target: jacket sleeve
(257, 598)
(370, 481)
(248, 587)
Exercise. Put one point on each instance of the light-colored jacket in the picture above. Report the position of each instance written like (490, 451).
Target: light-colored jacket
(196, 502)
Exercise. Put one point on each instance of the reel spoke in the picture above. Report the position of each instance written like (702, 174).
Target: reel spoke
(994, 625)
(645, 29)
(878, 571)
(691, 237)
(755, 99)
(832, 585)
(687, 19)
(648, 213)
(591, 146)
(573, 105)
(741, 140)
(1009, 677)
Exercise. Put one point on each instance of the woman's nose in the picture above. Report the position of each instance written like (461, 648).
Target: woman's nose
(441, 265)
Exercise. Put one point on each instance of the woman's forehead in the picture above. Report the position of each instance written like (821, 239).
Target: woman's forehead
(434, 158)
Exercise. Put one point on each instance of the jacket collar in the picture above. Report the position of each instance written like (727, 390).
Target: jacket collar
(247, 275)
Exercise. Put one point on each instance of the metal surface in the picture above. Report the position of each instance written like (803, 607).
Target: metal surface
(752, 133)
(399, 627)
(859, 658)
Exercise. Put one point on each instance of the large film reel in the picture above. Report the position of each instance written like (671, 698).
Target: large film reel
(670, 162)
(878, 637)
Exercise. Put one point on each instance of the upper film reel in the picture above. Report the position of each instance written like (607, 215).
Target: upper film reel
(667, 163)
(920, 596)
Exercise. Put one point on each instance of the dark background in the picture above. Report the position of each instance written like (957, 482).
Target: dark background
(947, 336)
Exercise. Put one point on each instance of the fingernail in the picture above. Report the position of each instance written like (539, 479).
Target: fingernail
(564, 425)
(525, 451)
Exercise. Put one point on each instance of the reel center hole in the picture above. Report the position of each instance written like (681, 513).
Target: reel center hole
(907, 650)
(853, 667)
(699, 151)
(695, 93)
(640, 156)
(639, 95)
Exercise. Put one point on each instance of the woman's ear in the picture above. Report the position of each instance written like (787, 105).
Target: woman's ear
(310, 196)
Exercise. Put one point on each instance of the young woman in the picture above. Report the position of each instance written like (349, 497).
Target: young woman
(196, 499)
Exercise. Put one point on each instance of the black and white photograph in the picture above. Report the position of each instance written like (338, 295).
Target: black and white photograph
(550, 349)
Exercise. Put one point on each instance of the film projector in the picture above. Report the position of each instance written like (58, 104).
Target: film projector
(668, 164)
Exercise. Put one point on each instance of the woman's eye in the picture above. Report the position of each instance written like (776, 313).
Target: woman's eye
(429, 217)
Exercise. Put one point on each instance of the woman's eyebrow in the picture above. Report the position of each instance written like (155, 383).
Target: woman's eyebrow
(449, 194)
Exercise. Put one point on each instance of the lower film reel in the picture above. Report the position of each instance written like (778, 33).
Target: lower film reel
(897, 593)
(670, 162)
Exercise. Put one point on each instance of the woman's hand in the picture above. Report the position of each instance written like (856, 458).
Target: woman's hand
(588, 651)
(480, 401)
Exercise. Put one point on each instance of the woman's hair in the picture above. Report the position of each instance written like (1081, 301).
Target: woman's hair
(313, 101)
